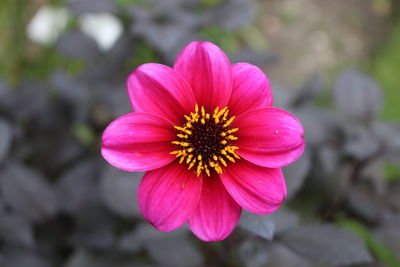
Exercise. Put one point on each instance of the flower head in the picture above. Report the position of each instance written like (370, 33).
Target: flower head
(211, 142)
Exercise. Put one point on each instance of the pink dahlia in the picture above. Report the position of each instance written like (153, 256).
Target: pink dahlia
(208, 138)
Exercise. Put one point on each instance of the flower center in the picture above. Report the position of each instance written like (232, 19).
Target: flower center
(204, 141)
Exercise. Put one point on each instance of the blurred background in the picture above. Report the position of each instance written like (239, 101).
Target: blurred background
(63, 66)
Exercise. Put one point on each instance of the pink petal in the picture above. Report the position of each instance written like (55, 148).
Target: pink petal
(160, 90)
(257, 189)
(251, 89)
(269, 137)
(208, 71)
(216, 214)
(138, 142)
(167, 196)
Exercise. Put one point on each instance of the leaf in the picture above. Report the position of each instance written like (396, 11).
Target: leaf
(328, 158)
(284, 220)
(232, 14)
(389, 134)
(15, 230)
(22, 96)
(361, 143)
(3, 87)
(261, 225)
(84, 258)
(253, 253)
(18, 257)
(28, 192)
(67, 87)
(327, 244)
(319, 125)
(94, 228)
(174, 251)
(389, 234)
(77, 45)
(129, 243)
(357, 96)
(253, 57)
(283, 96)
(280, 255)
(5, 139)
(92, 6)
(119, 191)
(296, 173)
(312, 88)
(78, 186)
(379, 249)
(165, 248)
(365, 205)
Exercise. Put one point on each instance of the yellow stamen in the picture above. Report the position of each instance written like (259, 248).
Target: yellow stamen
(200, 138)
(229, 121)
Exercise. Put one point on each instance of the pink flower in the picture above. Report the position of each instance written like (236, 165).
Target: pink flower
(208, 138)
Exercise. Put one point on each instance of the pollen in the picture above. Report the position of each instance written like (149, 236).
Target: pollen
(205, 142)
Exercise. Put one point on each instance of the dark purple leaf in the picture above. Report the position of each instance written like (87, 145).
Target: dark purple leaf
(67, 87)
(95, 228)
(261, 225)
(22, 96)
(84, 258)
(92, 6)
(357, 96)
(365, 205)
(328, 158)
(167, 29)
(313, 86)
(284, 220)
(319, 125)
(3, 87)
(68, 148)
(119, 103)
(393, 195)
(78, 186)
(166, 38)
(174, 251)
(165, 248)
(119, 191)
(296, 173)
(389, 233)
(361, 142)
(28, 192)
(283, 96)
(267, 226)
(17, 257)
(77, 45)
(15, 229)
(5, 139)
(280, 255)
(327, 244)
(253, 253)
(130, 243)
(389, 135)
(231, 14)
(256, 58)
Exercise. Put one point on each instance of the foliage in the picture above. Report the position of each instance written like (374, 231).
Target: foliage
(61, 205)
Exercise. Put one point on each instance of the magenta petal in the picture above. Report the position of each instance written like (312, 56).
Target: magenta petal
(167, 196)
(251, 89)
(208, 71)
(138, 142)
(160, 90)
(257, 189)
(269, 137)
(216, 214)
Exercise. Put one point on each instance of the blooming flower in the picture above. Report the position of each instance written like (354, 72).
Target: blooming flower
(208, 138)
